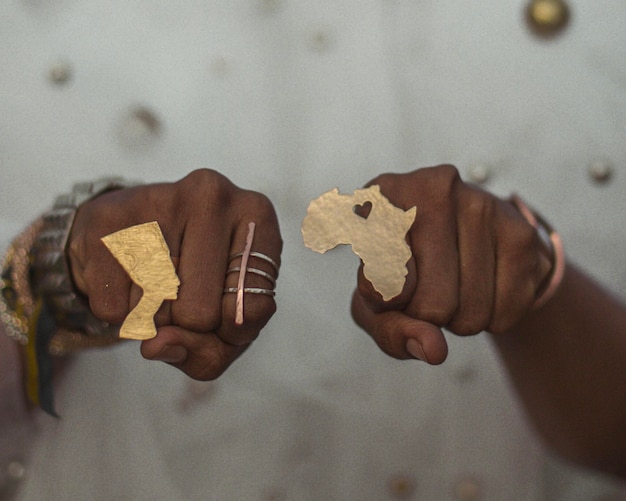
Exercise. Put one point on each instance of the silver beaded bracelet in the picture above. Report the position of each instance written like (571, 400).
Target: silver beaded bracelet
(45, 274)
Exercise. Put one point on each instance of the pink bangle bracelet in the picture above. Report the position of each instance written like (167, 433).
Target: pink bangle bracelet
(544, 229)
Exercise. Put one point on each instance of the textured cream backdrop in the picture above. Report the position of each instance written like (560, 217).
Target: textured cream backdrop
(292, 98)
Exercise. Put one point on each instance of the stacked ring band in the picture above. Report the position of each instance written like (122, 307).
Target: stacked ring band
(255, 271)
(260, 256)
(252, 290)
(243, 268)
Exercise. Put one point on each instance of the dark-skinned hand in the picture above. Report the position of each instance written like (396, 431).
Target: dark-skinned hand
(204, 219)
(477, 265)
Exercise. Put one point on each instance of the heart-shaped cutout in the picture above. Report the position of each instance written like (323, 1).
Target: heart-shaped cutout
(363, 210)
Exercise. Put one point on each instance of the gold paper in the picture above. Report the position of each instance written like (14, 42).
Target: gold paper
(145, 256)
(378, 239)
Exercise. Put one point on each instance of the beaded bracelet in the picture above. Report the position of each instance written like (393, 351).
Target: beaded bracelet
(77, 327)
(553, 240)
(38, 304)
(17, 303)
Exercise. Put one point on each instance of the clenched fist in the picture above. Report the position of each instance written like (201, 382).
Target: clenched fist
(477, 265)
(205, 221)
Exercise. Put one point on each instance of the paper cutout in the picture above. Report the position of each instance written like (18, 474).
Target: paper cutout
(145, 256)
(378, 238)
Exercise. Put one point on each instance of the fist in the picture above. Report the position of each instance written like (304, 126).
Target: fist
(477, 265)
(205, 221)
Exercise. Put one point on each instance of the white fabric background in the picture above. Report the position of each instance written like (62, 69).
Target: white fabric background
(292, 98)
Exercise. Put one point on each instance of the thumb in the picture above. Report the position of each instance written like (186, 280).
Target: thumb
(399, 335)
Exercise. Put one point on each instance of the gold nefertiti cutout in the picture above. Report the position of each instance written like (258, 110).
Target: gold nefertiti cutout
(378, 238)
(145, 256)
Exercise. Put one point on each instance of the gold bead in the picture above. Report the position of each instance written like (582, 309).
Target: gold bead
(547, 17)
(480, 173)
(467, 490)
(600, 171)
(60, 73)
(401, 486)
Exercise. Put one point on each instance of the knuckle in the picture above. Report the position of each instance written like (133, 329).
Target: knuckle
(447, 171)
(260, 315)
(195, 316)
(257, 313)
(515, 302)
(431, 188)
(440, 312)
(475, 309)
(243, 336)
(205, 177)
(468, 326)
(481, 207)
(396, 188)
(206, 187)
(386, 181)
(518, 248)
(518, 232)
(261, 204)
(104, 212)
(158, 198)
(527, 237)
(76, 248)
(107, 292)
(432, 184)
(445, 180)
(112, 308)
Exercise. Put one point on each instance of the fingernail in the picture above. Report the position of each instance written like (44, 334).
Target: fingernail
(171, 354)
(415, 349)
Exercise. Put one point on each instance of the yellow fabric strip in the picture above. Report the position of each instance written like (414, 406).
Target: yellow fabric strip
(32, 363)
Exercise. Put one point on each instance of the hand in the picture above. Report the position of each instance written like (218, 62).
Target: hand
(204, 219)
(477, 265)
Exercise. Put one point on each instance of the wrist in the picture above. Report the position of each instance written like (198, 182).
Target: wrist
(39, 307)
(76, 326)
